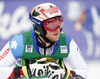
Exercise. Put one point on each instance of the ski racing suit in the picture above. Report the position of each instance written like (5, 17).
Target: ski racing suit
(18, 47)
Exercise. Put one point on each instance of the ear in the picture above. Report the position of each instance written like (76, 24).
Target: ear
(39, 30)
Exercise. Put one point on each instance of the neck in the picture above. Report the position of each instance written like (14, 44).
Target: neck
(46, 43)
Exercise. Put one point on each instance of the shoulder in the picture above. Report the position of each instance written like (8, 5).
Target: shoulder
(29, 33)
(68, 38)
(17, 45)
(18, 39)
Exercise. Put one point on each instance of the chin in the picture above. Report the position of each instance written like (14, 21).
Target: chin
(54, 40)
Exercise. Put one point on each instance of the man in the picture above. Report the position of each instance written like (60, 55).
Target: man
(43, 50)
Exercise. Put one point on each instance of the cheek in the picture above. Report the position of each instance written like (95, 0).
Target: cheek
(48, 33)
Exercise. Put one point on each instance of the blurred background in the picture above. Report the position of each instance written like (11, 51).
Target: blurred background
(81, 22)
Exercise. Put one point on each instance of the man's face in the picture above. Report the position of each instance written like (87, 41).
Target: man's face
(53, 35)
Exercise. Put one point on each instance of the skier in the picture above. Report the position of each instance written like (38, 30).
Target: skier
(44, 50)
